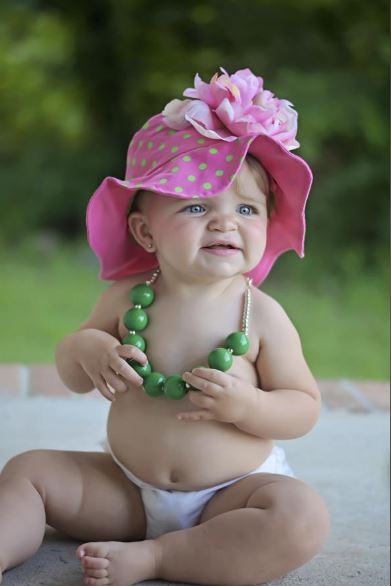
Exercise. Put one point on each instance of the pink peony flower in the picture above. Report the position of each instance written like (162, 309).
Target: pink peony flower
(231, 106)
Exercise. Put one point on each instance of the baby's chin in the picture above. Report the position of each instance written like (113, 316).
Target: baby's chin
(222, 271)
(224, 268)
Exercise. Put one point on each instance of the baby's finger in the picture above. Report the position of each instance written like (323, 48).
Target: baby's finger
(202, 384)
(211, 374)
(133, 353)
(202, 400)
(116, 382)
(102, 387)
(124, 370)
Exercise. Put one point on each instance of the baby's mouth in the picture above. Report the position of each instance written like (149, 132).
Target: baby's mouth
(221, 245)
(221, 248)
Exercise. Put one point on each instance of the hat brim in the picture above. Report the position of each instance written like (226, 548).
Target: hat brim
(292, 183)
(120, 255)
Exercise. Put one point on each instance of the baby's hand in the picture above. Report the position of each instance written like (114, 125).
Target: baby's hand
(104, 360)
(223, 397)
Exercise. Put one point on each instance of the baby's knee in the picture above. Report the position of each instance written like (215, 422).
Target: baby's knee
(307, 523)
(28, 465)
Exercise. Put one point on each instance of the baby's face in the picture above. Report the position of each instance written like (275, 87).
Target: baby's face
(220, 236)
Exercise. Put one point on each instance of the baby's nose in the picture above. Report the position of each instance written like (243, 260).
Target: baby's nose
(223, 222)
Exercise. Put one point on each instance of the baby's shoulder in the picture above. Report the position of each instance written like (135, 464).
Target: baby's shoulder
(266, 305)
(120, 289)
(111, 302)
(268, 314)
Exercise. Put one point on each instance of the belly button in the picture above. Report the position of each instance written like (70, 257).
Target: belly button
(174, 477)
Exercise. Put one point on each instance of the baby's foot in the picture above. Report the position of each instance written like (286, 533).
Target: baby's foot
(117, 563)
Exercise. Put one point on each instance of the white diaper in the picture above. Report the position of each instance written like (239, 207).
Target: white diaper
(170, 510)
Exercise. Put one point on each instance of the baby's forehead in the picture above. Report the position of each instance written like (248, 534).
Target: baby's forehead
(251, 179)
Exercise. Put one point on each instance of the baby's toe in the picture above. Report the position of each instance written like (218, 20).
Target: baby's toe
(97, 581)
(95, 563)
(80, 553)
(89, 573)
(94, 549)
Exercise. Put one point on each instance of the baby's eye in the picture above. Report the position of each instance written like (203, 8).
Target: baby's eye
(247, 210)
(195, 208)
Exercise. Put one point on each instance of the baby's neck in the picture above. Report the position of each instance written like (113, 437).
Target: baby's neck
(190, 287)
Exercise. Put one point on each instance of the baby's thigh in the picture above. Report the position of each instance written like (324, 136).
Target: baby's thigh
(85, 494)
(291, 502)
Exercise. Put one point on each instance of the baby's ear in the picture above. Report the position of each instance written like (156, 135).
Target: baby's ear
(138, 228)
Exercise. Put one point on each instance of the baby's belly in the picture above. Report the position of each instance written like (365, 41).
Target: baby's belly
(148, 439)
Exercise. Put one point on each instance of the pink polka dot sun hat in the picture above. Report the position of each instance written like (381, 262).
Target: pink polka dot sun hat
(194, 148)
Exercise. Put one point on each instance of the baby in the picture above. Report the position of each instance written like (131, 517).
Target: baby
(203, 370)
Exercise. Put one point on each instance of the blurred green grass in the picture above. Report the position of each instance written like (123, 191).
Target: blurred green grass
(341, 314)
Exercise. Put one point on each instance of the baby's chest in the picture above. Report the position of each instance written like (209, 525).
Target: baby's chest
(177, 344)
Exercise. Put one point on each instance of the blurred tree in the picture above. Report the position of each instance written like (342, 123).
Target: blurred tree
(79, 78)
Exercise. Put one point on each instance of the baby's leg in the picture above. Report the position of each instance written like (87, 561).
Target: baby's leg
(250, 532)
(85, 495)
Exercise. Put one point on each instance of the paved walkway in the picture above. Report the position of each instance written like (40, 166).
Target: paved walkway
(20, 380)
(346, 458)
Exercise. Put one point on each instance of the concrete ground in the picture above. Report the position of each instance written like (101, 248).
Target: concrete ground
(346, 458)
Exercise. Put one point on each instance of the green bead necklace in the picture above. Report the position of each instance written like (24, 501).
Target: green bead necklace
(173, 387)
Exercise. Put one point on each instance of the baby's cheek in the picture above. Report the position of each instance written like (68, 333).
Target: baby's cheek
(256, 242)
(261, 230)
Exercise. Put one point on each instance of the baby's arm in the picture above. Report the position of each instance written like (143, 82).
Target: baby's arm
(288, 404)
(91, 356)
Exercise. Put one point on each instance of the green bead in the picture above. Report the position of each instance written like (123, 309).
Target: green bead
(142, 295)
(135, 319)
(220, 359)
(143, 371)
(238, 343)
(135, 340)
(153, 384)
(175, 387)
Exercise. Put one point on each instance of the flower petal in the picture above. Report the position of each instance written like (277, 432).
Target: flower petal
(201, 112)
(219, 134)
(225, 111)
(231, 106)
(174, 113)
(195, 92)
